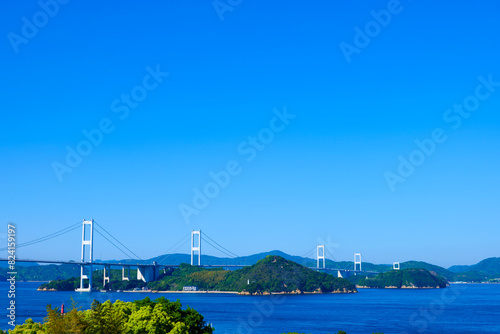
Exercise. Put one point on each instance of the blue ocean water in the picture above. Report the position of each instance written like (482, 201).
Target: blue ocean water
(465, 308)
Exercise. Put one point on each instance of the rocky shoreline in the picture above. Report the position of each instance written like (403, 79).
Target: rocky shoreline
(295, 292)
(402, 287)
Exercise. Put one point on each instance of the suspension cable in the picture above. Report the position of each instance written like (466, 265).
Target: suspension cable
(111, 242)
(173, 252)
(309, 252)
(167, 254)
(348, 266)
(329, 253)
(222, 251)
(136, 256)
(218, 249)
(233, 254)
(47, 237)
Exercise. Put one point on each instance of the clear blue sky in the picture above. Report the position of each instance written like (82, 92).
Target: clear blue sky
(322, 179)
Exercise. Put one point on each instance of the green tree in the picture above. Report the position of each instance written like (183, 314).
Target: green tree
(142, 316)
(104, 318)
(54, 321)
(29, 327)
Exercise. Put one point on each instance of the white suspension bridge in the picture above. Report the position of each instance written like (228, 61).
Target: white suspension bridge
(148, 272)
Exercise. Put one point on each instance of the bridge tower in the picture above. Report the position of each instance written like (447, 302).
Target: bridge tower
(320, 255)
(357, 260)
(396, 266)
(196, 246)
(87, 240)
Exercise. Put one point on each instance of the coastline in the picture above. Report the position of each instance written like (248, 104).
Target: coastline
(168, 291)
(218, 292)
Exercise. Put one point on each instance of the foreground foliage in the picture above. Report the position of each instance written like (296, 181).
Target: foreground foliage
(141, 316)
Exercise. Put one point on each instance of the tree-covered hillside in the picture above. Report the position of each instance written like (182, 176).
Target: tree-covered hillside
(187, 275)
(405, 278)
(44, 273)
(276, 274)
(272, 274)
(430, 267)
(490, 267)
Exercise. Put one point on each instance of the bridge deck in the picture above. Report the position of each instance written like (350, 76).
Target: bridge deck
(117, 264)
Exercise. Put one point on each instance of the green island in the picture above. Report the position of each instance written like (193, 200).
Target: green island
(411, 278)
(273, 274)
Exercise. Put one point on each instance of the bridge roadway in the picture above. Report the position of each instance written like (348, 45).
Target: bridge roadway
(346, 270)
(117, 264)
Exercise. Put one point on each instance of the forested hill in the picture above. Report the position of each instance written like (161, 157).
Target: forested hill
(277, 274)
(44, 273)
(405, 278)
(430, 267)
(273, 274)
(490, 267)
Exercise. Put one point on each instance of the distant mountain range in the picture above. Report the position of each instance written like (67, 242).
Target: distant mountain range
(490, 267)
(482, 271)
(176, 259)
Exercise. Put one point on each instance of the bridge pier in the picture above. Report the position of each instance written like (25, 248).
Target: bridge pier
(126, 278)
(148, 273)
(85, 276)
(105, 278)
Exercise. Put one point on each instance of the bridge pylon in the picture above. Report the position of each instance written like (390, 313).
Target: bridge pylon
(196, 246)
(87, 240)
(357, 260)
(320, 255)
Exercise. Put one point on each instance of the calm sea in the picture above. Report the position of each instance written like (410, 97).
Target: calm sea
(467, 308)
